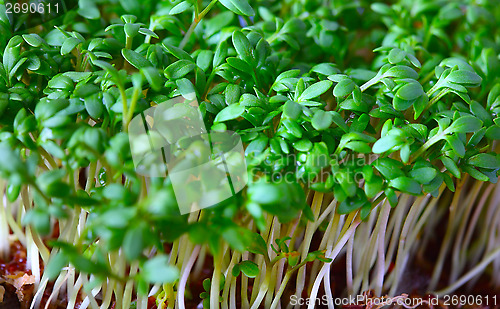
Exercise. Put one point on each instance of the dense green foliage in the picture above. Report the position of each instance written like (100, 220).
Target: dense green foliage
(358, 101)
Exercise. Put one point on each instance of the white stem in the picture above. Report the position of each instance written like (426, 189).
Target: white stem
(184, 277)
(129, 286)
(72, 297)
(471, 274)
(4, 227)
(90, 296)
(328, 292)
(456, 258)
(379, 281)
(310, 229)
(331, 255)
(350, 246)
(33, 257)
(13, 224)
(57, 286)
(402, 257)
(37, 298)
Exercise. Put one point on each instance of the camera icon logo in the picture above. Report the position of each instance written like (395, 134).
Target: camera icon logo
(170, 140)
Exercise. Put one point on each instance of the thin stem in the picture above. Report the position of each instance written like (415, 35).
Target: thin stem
(427, 145)
(447, 238)
(216, 277)
(184, 277)
(331, 255)
(4, 228)
(133, 103)
(310, 229)
(188, 34)
(277, 298)
(263, 288)
(459, 239)
(195, 23)
(369, 83)
(441, 93)
(124, 106)
(128, 42)
(379, 282)
(471, 274)
(350, 247)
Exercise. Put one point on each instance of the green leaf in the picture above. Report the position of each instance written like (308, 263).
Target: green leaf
(249, 268)
(396, 55)
(178, 53)
(465, 124)
(451, 166)
(179, 8)
(391, 196)
(243, 47)
(358, 146)
(146, 31)
(386, 143)
(61, 82)
(465, 77)
(480, 112)
(321, 120)
(292, 109)
(179, 69)
(456, 144)
(485, 160)
(220, 54)
(381, 8)
(475, 173)
(94, 106)
(414, 60)
(389, 168)
(258, 245)
(292, 127)
(107, 67)
(233, 111)
(401, 71)
(131, 29)
(239, 64)
(373, 186)
(406, 184)
(56, 263)
(153, 77)
(264, 193)
(204, 59)
(303, 145)
(350, 205)
(493, 132)
(186, 88)
(136, 59)
(339, 121)
(16, 67)
(423, 175)
(343, 88)
(33, 39)
(240, 7)
(133, 242)
(235, 272)
(400, 104)
(315, 90)
(68, 45)
(410, 91)
(158, 270)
